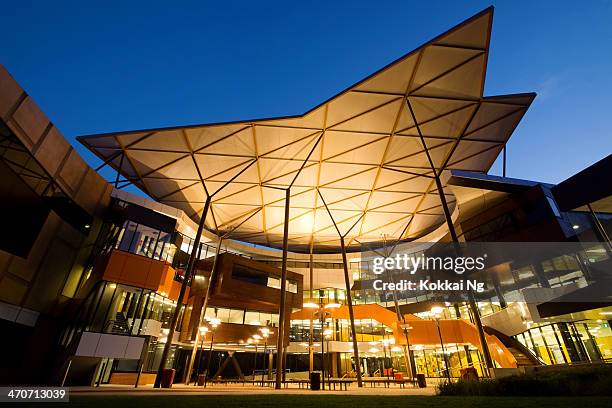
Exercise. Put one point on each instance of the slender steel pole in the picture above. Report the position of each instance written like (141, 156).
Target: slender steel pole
(179, 301)
(504, 165)
(191, 359)
(142, 361)
(119, 170)
(443, 350)
(453, 234)
(311, 332)
(199, 361)
(212, 339)
(144, 314)
(66, 372)
(138, 304)
(263, 371)
(600, 231)
(255, 364)
(385, 371)
(280, 340)
(211, 280)
(401, 318)
(349, 301)
(322, 312)
(471, 300)
(408, 355)
(329, 365)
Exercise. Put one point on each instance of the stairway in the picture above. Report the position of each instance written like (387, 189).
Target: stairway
(523, 356)
(521, 359)
(120, 325)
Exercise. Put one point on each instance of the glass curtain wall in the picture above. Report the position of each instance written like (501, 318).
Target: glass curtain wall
(570, 343)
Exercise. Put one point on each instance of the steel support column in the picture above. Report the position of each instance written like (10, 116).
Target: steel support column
(471, 301)
(179, 301)
(401, 318)
(211, 280)
(453, 234)
(119, 170)
(280, 339)
(349, 303)
(311, 332)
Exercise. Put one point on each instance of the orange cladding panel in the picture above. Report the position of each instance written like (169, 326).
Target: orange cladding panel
(155, 275)
(114, 266)
(175, 290)
(136, 271)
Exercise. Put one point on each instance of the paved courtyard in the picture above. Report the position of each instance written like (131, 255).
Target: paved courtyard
(237, 389)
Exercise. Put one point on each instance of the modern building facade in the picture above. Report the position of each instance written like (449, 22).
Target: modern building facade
(255, 252)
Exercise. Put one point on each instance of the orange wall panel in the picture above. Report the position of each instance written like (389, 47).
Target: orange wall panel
(175, 289)
(156, 271)
(114, 266)
(136, 271)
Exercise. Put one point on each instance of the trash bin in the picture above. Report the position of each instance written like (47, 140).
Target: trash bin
(315, 381)
(201, 379)
(421, 380)
(167, 377)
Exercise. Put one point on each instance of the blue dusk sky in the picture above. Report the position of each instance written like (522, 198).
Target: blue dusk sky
(124, 65)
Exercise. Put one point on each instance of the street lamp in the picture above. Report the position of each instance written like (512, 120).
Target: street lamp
(255, 340)
(214, 323)
(385, 343)
(436, 312)
(409, 363)
(203, 331)
(375, 351)
(322, 311)
(327, 334)
(395, 349)
(265, 333)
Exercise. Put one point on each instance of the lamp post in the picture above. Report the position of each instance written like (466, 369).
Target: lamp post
(375, 351)
(436, 312)
(385, 343)
(327, 333)
(395, 349)
(214, 323)
(265, 333)
(409, 363)
(322, 312)
(255, 340)
(203, 331)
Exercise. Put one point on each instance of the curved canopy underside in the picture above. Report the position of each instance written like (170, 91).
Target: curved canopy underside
(371, 153)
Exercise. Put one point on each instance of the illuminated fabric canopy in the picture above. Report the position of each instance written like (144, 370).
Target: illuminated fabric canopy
(370, 152)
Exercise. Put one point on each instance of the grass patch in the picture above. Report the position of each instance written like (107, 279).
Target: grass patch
(319, 401)
(595, 381)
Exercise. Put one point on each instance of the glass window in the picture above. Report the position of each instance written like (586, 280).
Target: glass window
(211, 313)
(236, 316)
(252, 318)
(223, 315)
(127, 236)
(292, 286)
(273, 282)
(145, 241)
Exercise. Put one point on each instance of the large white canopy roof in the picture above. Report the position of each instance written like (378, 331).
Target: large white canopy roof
(370, 152)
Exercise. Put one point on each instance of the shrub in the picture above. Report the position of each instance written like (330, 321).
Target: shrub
(562, 382)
